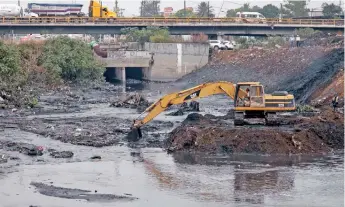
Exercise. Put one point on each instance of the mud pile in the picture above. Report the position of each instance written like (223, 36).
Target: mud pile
(134, 101)
(33, 150)
(324, 95)
(90, 131)
(300, 135)
(323, 39)
(193, 106)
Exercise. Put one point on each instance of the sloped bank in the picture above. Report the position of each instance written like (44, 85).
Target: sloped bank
(321, 133)
(309, 73)
(300, 71)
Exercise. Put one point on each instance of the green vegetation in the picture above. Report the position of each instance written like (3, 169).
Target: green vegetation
(9, 61)
(182, 13)
(71, 60)
(306, 32)
(149, 34)
(205, 10)
(275, 40)
(331, 10)
(149, 8)
(28, 67)
(304, 108)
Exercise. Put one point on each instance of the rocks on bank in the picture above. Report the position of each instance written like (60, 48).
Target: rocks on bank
(320, 133)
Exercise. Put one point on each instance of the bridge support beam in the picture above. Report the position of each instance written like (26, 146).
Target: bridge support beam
(121, 74)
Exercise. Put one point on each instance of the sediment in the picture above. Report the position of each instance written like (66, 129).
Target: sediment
(321, 133)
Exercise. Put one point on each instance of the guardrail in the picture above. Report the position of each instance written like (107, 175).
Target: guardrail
(136, 20)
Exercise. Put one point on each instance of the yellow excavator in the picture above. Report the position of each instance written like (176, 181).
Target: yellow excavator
(250, 101)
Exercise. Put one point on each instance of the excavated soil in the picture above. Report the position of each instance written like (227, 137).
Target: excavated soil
(299, 135)
(300, 71)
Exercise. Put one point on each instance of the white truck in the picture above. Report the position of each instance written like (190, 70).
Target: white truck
(13, 10)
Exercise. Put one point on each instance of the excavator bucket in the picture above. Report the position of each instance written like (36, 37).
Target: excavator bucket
(134, 135)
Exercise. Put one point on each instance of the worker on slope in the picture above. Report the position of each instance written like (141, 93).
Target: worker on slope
(298, 40)
(292, 41)
(335, 102)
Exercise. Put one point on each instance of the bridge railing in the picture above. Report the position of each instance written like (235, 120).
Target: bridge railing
(159, 20)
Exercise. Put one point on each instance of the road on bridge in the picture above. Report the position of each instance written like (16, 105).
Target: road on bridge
(178, 26)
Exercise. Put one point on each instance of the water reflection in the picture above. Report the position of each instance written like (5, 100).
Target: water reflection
(219, 181)
(252, 187)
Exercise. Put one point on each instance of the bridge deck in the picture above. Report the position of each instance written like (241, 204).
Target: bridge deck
(209, 26)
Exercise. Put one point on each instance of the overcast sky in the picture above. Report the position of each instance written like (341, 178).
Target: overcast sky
(132, 6)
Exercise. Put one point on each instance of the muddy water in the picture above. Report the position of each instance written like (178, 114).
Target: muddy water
(157, 179)
(150, 177)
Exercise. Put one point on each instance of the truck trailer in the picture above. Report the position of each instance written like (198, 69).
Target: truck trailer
(13, 10)
(96, 9)
(48, 9)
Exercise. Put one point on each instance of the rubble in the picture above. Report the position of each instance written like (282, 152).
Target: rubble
(135, 101)
(60, 154)
(24, 148)
(193, 106)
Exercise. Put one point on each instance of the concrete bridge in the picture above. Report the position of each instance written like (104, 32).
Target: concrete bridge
(213, 26)
(159, 61)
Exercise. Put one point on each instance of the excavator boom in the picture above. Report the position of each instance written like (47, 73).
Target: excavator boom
(190, 94)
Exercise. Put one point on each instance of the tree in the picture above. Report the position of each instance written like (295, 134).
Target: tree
(331, 10)
(183, 13)
(149, 8)
(295, 8)
(153, 34)
(231, 13)
(270, 11)
(245, 8)
(205, 10)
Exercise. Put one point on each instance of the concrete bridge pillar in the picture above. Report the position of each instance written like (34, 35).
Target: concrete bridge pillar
(121, 74)
(147, 73)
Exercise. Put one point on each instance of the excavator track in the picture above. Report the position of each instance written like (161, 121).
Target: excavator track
(271, 119)
(239, 119)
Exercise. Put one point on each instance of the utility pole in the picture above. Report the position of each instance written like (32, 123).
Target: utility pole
(141, 8)
(208, 9)
(121, 12)
(116, 8)
(184, 10)
(18, 2)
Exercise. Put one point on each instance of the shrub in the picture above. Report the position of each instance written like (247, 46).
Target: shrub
(160, 36)
(306, 32)
(243, 43)
(9, 61)
(70, 59)
(275, 40)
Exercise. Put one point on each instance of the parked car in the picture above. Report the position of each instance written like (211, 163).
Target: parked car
(216, 45)
(228, 45)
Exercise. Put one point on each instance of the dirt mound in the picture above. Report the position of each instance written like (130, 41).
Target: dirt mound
(318, 134)
(324, 95)
(299, 70)
(135, 101)
(323, 39)
(317, 75)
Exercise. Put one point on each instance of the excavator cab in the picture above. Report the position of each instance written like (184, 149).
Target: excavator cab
(254, 96)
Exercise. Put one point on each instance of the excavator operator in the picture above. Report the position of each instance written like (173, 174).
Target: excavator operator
(247, 98)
